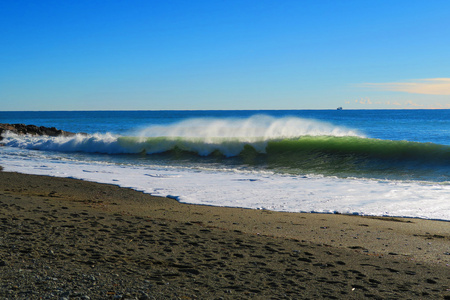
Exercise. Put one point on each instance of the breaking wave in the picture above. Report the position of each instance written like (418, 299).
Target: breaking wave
(201, 136)
(282, 144)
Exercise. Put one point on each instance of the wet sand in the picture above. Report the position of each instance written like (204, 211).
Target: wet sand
(70, 239)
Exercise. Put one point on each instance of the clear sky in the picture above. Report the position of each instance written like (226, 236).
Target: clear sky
(170, 54)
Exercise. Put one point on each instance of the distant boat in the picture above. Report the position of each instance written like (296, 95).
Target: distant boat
(339, 108)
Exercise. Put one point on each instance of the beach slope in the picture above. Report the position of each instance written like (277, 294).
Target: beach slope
(71, 239)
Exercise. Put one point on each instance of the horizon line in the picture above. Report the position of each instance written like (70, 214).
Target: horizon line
(265, 109)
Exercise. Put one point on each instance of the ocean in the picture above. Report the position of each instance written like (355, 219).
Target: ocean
(361, 162)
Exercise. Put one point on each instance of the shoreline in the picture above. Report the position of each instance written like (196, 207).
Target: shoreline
(161, 248)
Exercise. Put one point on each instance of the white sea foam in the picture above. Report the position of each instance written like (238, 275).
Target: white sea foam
(100, 143)
(254, 190)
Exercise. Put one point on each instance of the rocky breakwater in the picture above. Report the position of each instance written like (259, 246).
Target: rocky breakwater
(32, 130)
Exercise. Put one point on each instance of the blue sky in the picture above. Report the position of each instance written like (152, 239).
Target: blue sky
(146, 55)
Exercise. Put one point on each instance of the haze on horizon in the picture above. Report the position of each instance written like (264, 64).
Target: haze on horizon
(256, 54)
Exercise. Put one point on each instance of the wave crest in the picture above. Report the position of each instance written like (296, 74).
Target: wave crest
(201, 136)
(259, 126)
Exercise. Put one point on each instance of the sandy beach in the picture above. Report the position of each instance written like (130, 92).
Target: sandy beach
(71, 239)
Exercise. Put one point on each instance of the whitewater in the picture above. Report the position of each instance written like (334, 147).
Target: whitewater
(281, 163)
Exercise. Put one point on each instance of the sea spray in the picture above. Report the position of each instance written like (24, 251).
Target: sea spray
(259, 126)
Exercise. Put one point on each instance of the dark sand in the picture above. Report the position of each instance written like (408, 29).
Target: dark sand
(69, 239)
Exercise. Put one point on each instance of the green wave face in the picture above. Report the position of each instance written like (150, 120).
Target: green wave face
(363, 148)
(326, 155)
(353, 156)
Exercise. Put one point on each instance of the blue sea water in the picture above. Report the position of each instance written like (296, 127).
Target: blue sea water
(411, 125)
(357, 149)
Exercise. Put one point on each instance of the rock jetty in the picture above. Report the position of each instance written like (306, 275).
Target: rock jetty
(32, 130)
